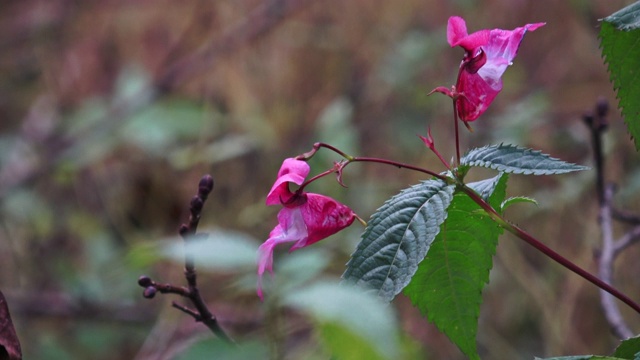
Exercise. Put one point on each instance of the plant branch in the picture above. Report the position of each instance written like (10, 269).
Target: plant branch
(188, 233)
(350, 159)
(597, 124)
(529, 239)
(606, 259)
(629, 238)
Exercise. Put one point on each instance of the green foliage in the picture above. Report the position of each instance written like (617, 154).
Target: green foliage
(398, 237)
(629, 349)
(448, 284)
(517, 160)
(352, 325)
(620, 42)
(515, 200)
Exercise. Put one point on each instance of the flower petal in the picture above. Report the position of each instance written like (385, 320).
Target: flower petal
(457, 35)
(292, 170)
(323, 217)
(480, 83)
(502, 49)
(290, 228)
(478, 94)
(456, 30)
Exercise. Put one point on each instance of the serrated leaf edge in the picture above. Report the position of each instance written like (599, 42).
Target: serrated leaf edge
(515, 170)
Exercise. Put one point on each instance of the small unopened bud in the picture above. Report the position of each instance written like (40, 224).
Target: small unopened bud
(196, 204)
(149, 292)
(205, 186)
(144, 281)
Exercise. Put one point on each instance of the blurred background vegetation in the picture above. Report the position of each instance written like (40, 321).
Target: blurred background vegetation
(112, 111)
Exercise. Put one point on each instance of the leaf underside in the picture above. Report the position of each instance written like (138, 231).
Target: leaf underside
(448, 284)
(517, 160)
(620, 42)
(398, 237)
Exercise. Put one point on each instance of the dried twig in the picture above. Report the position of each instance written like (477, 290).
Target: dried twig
(605, 268)
(188, 233)
(597, 124)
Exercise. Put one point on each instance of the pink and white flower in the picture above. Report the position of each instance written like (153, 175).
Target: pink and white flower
(305, 218)
(488, 53)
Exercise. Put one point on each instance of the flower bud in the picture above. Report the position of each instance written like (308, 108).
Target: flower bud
(205, 186)
(144, 281)
(149, 292)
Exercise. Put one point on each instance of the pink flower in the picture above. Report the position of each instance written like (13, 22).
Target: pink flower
(305, 218)
(487, 55)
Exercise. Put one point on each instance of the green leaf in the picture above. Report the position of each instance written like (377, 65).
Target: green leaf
(352, 324)
(629, 349)
(398, 237)
(448, 284)
(620, 42)
(626, 19)
(515, 200)
(517, 160)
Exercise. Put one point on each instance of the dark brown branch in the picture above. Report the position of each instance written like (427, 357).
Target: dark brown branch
(188, 232)
(625, 216)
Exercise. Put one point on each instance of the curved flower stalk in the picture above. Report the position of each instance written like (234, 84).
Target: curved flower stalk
(305, 218)
(488, 53)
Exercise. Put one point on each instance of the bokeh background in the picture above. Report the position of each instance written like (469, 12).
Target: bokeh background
(111, 111)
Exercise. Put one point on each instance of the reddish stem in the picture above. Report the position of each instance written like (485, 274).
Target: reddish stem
(398, 165)
(548, 251)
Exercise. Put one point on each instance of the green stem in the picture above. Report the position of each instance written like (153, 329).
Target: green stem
(529, 239)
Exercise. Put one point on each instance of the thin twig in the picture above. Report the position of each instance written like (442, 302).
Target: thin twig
(629, 238)
(624, 216)
(606, 259)
(188, 232)
(597, 123)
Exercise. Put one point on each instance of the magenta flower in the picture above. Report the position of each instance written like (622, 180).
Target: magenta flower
(487, 55)
(305, 218)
